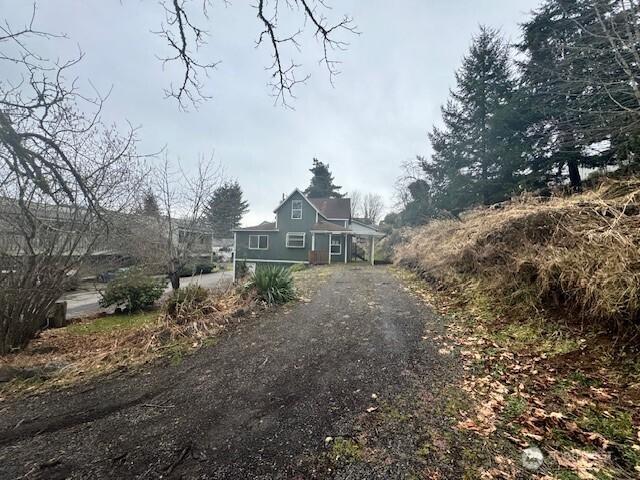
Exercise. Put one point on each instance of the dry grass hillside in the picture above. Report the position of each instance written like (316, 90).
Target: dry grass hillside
(541, 301)
(578, 254)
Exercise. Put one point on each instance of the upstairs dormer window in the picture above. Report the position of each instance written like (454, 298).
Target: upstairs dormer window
(296, 210)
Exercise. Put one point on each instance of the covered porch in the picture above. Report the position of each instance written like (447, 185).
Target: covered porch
(332, 243)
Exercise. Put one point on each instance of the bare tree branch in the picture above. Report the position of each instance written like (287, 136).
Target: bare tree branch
(185, 37)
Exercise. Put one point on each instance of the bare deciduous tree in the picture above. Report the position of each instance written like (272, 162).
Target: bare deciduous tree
(183, 224)
(63, 176)
(183, 31)
(618, 36)
(356, 203)
(411, 171)
(601, 71)
(372, 207)
(368, 206)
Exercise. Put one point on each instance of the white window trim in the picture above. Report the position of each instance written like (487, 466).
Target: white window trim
(293, 202)
(299, 234)
(339, 244)
(258, 247)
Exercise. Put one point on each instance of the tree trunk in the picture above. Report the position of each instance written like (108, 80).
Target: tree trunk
(574, 175)
(174, 278)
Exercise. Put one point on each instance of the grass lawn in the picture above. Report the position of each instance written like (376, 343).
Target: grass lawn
(112, 322)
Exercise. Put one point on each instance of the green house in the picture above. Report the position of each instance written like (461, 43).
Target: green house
(306, 231)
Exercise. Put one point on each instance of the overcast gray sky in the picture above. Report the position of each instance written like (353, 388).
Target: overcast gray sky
(395, 76)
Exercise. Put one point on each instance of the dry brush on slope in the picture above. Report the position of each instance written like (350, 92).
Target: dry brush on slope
(578, 254)
(94, 347)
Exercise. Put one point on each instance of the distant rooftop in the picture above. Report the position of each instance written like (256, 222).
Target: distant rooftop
(263, 227)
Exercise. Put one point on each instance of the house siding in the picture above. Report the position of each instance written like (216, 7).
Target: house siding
(278, 253)
(278, 240)
(322, 244)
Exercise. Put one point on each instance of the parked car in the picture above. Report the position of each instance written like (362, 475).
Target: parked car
(106, 277)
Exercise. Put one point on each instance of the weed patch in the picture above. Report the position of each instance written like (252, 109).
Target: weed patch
(93, 347)
(345, 450)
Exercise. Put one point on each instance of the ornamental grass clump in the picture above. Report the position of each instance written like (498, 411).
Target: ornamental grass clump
(186, 301)
(273, 285)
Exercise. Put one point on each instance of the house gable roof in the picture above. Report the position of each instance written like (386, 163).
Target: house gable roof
(333, 208)
(297, 190)
(329, 208)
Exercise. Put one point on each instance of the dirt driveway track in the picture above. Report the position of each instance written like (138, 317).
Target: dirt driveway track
(257, 404)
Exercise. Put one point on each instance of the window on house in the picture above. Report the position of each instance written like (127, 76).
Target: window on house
(296, 210)
(258, 242)
(295, 240)
(336, 246)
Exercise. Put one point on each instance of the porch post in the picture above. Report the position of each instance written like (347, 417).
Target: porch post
(345, 247)
(235, 249)
(373, 250)
(313, 241)
(329, 249)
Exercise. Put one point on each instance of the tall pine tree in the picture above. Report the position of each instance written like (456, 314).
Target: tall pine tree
(477, 155)
(322, 185)
(226, 209)
(576, 89)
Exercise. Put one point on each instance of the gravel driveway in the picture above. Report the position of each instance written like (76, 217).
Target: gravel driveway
(258, 404)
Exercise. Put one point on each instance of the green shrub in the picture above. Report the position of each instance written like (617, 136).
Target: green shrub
(186, 300)
(274, 285)
(133, 290)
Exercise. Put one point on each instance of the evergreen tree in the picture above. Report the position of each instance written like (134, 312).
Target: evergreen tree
(575, 88)
(149, 205)
(552, 100)
(225, 209)
(477, 155)
(322, 185)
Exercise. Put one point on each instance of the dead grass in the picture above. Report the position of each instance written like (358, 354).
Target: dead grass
(534, 383)
(543, 301)
(578, 254)
(90, 348)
